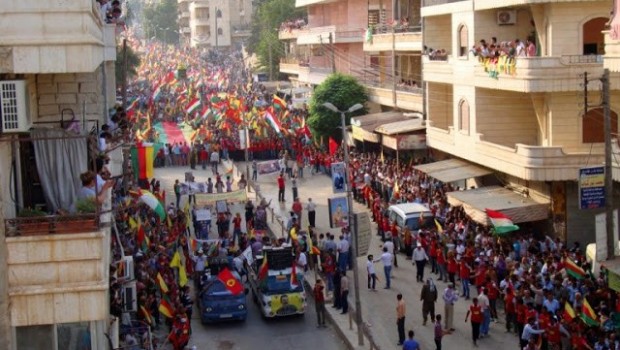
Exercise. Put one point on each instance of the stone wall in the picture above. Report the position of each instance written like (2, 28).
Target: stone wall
(80, 92)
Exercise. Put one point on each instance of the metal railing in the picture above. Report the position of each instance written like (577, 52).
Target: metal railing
(438, 2)
(387, 29)
(582, 59)
(51, 224)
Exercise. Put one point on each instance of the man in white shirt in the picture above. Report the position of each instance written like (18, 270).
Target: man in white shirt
(386, 259)
(483, 301)
(372, 276)
(419, 258)
(311, 210)
(302, 262)
(343, 253)
(215, 160)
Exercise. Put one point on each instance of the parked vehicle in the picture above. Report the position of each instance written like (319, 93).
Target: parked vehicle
(216, 302)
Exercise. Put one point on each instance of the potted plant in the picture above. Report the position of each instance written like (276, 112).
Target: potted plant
(32, 222)
(82, 222)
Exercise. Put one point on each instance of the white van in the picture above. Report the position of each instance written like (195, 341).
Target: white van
(408, 214)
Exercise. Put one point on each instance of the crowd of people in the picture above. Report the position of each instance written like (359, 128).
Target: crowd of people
(293, 24)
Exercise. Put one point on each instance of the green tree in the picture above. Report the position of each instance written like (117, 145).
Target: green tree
(133, 61)
(160, 21)
(343, 91)
(266, 21)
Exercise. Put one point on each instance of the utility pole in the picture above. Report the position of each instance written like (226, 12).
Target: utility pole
(124, 82)
(394, 67)
(270, 62)
(609, 184)
(333, 57)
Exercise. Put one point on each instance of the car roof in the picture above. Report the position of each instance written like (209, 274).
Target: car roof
(406, 209)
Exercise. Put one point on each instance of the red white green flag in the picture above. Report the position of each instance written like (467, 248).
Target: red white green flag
(193, 105)
(502, 224)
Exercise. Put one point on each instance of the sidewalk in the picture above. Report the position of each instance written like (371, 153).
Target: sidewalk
(379, 308)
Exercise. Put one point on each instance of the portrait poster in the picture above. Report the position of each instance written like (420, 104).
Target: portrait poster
(338, 212)
(221, 206)
(268, 167)
(339, 177)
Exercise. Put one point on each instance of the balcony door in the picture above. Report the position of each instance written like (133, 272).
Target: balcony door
(593, 39)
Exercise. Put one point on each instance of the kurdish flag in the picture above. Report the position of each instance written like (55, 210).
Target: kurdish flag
(273, 121)
(153, 202)
(264, 269)
(142, 158)
(193, 105)
(278, 102)
(161, 283)
(156, 92)
(230, 282)
(573, 269)
(588, 316)
(165, 307)
(294, 280)
(569, 312)
(148, 318)
(501, 223)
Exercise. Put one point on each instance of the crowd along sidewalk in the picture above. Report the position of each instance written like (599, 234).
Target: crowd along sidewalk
(379, 307)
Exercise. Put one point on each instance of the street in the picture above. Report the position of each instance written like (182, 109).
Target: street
(256, 332)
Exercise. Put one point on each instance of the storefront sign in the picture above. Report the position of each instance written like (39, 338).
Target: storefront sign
(363, 135)
(592, 187)
(404, 142)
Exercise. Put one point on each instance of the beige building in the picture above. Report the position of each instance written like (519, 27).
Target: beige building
(214, 23)
(524, 119)
(56, 61)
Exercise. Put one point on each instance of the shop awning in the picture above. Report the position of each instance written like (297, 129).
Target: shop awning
(515, 206)
(452, 170)
(401, 127)
(363, 127)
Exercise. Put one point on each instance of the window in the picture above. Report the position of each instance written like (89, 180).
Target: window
(220, 31)
(464, 116)
(592, 126)
(68, 336)
(593, 40)
(218, 14)
(463, 44)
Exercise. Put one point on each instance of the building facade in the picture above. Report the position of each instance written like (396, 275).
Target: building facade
(56, 64)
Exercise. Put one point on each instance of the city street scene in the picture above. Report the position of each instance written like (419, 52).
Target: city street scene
(309, 174)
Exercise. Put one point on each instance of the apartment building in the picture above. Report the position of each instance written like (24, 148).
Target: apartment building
(522, 118)
(215, 24)
(56, 71)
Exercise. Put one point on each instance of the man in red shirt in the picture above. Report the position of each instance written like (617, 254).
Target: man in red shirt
(236, 228)
(281, 188)
(319, 303)
(476, 319)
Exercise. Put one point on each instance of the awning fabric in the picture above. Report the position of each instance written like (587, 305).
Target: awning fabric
(364, 126)
(452, 170)
(515, 206)
(401, 127)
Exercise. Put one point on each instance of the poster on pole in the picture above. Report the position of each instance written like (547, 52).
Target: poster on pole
(364, 232)
(338, 208)
(592, 187)
(338, 177)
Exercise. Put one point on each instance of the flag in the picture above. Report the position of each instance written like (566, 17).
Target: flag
(573, 269)
(161, 283)
(182, 276)
(165, 307)
(142, 239)
(230, 282)
(501, 223)
(148, 318)
(568, 313)
(194, 244)
(278, 102)
(273, 121)
(132, 223)
(150, 200)
(588, 316)
(438, 225)
(156, 92)
(333, 146)
(264, 269)
(176, 260)
(294, 281)
(229, 171)
(142, 158)
(193, 105)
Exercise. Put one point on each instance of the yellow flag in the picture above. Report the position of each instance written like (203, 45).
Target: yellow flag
(132, 223)
(176, 260)
(182, 276)
(294, 234)
(439, 228)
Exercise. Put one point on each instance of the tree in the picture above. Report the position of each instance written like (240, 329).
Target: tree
(160, 21)
(266, 21)
(133, 61)
(343, 91)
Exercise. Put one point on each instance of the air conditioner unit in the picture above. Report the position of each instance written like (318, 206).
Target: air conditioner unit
(130, 297)
(14, 114)
(125, 269)
(506, 17)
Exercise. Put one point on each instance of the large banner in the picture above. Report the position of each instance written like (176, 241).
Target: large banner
(203, 199)
(338, 208)
(268, 167)
(338, 177)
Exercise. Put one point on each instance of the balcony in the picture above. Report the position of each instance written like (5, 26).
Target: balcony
(288, 34)
(407, 98)
(58, 278)
(313, 75)
(34, 31)
(533, 163)
(202, 21)
(339, 34)
(611, 60)
(442, 7)
(403, 39)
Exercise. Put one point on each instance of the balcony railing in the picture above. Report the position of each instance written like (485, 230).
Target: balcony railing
(52, 224)
(387, 29)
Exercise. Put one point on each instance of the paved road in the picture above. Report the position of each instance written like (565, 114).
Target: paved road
(256, 332)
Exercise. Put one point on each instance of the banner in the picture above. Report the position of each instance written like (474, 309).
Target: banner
(210, 198)
(592, 187)
(338, 177)
(268, 167)
(338, 212)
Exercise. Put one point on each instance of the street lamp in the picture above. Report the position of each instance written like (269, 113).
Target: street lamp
(356, 284)
(218, 14)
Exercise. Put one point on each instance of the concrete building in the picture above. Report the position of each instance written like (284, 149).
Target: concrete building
(523, 118)
(215, 23)
(56, 62)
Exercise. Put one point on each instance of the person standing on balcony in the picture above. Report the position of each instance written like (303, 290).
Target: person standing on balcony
(89, 191)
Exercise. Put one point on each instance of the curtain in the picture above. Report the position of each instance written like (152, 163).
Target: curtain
(59, 164)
